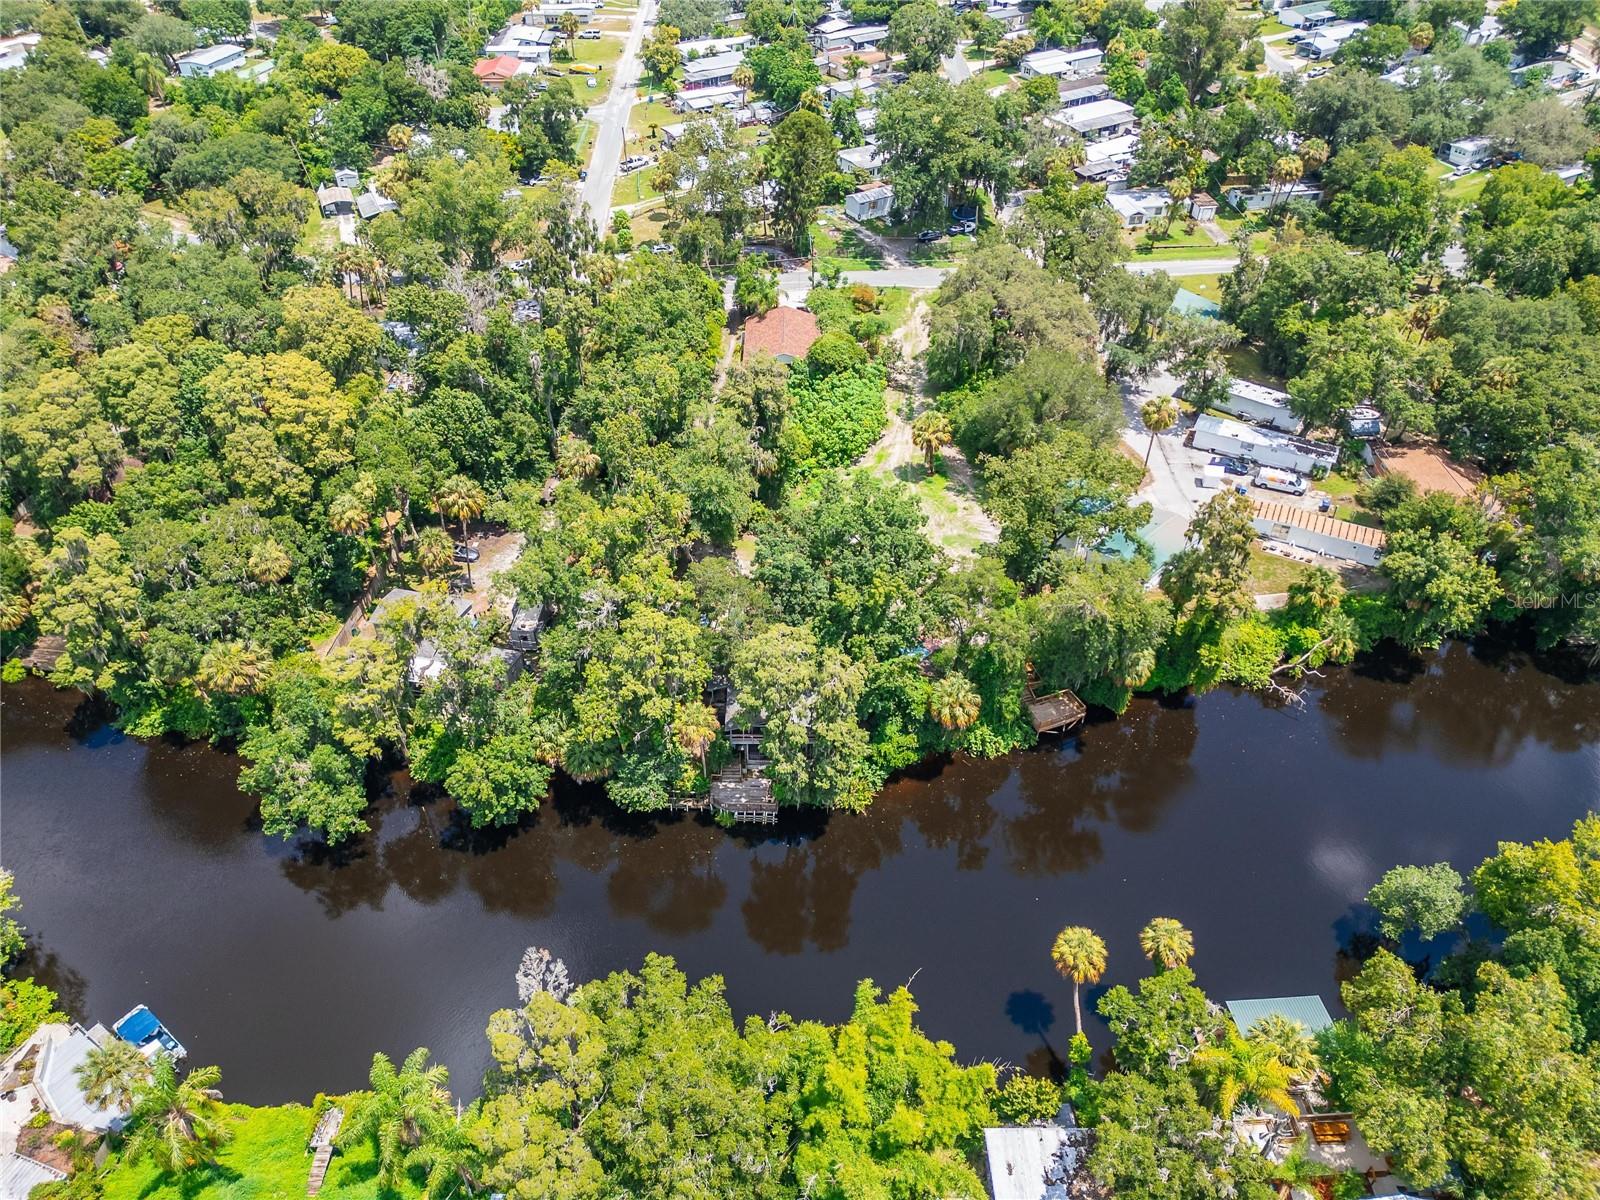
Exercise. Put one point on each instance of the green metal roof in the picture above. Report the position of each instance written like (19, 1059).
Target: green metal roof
(1310, 1011)
(1192, 304)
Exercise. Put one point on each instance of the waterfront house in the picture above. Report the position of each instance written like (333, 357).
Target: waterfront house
(57, 1051)
(1035, 1162)
(1265, 447)
(1260, 404)
(1308, 529)
(784, 333)
(1309, 1012)
(869, 204)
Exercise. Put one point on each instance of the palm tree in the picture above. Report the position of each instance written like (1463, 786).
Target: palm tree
(112, 1074)
(1180, 190)
(179, 1124)
(696, 729)
(347, 515)
(954, 702)
(150, 75)
(575, 458)
(462, 499)
(855, 64)
(1166, 943)
(1158, 415)
(448, 1162)
(1313, 153)
(1294, 1047)
(435, 551)
(399, 136)
(268, 562)
(1287, 171)
(568, 25)
(930, 433)
(1239, 1069)
(744, 79)
(15, 609)
(1420, 36)
(405, 1110)
(1079, 955)
(231, 668)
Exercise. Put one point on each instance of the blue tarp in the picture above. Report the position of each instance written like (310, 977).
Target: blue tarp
(138, 1026)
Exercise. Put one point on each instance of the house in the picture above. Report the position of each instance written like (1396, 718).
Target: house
(551, 12)
(706, 98)
(1097, 119)
(706, 47)
(1256, 198)
(373, 203)
(1266, 447)
(859, 88)
(866, 158)
(1203, 206)
(1307, 16)
(1326, 41)
(1309, 1012)
(61, 1049)
(526, 312)
(865, 37)
(867, 119)
(1012, 18)
(711, 71)
(1075, 94)
(784, 333)
(870, 203)
(829, 34)
(209, 61)
(257, 71)
(1364, 423)
(459, 606)
(1469, 153)
(1558, 72)
(427, 663)
(1307, 529)
(1034, 1162)
(526, 625)
(346, 178)
(1137, 207)
(844, 64)
(1069, 63)
(1260, 404)
(335, 201)
(523, 43)
(495, 73)
(1193, 304)
(14, 50)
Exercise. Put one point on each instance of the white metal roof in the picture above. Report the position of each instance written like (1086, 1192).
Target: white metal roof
(1030, 1162)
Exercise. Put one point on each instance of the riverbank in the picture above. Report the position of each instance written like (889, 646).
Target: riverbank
(1259, 826)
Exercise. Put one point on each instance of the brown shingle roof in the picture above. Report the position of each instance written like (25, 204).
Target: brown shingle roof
(782, 332)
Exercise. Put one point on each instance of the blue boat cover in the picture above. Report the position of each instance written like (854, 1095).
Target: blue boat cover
(138, 1026)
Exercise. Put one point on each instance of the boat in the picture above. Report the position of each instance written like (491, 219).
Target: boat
(141, 1028)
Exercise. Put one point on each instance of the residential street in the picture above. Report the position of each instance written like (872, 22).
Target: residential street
(613, 123)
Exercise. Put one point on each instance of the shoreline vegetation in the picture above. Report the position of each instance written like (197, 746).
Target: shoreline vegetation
(1473, 1027)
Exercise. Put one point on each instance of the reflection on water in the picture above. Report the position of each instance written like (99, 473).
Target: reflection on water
(146, 878)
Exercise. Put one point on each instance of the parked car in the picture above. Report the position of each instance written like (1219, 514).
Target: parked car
(465, 553)
(590, 35)
(1231, 466)
(1317, 72)
(661, 248)
(957, 227)
(930, 235)
(633, 162)
(1281, 481)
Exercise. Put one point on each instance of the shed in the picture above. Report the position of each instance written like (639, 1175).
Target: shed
(1203, 206)
(335, 201)
(346, 178)
(783, 332)
(1308, 529)
(1308, 1011)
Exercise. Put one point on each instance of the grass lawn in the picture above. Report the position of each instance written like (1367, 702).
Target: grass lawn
(894, 305)
(994, 77)
(585, 142)
(647, 225)
(1468, 188)
(1209, 286)
(634, 187)
(1245, 362)
(266, 1160)
(1272, 573)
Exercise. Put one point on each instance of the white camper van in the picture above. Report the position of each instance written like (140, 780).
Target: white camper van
(1281, 481)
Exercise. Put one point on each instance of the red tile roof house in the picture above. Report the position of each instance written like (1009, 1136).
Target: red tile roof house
(784, 333)
(494, 73)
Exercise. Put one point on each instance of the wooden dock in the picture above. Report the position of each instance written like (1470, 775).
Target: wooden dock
(322, 1148)
(1055, 710)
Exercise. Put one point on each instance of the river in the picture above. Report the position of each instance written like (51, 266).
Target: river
(145, 877)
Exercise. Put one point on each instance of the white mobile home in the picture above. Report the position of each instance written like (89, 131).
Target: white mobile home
(1138, 207)
(1098, 119)
(1264, 447)
(1469, 153)
(1068, 63)
(210, 60)
(870, 203)
(1306, 529)
(1259, 403)
(704, 47)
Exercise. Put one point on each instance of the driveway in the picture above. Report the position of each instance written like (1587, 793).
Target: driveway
(956, 67)
(612, 121)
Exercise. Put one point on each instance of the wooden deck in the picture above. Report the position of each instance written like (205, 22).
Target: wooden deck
(1054, 711)
(42, 655)
(322, 1148)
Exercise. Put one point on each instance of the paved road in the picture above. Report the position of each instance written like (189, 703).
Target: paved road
(1184, 266)
(613, 119)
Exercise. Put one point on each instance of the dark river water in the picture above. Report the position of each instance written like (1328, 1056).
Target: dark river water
(146, 879)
